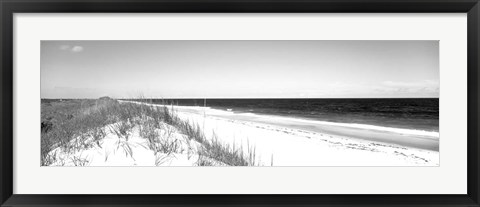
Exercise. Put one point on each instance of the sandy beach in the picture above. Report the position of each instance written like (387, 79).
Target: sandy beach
(285, 141)
(274, 141)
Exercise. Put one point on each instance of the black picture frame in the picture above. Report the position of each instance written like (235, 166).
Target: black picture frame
(9, 7)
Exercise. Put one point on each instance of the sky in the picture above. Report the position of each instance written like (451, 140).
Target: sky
(240, 69)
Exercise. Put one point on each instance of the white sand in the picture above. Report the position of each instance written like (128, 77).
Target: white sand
(274, 144)
(115, 151)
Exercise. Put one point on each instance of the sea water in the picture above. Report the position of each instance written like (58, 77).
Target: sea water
(403, 113)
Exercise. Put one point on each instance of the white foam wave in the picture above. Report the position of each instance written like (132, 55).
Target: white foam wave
(356, 125)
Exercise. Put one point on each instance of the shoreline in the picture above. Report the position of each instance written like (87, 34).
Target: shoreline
(420, 139)
(288, 145)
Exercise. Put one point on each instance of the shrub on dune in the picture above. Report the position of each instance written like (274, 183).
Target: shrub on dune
(90, 117)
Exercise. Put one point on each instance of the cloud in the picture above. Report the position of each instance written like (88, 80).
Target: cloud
(422, 88)
(416, 88)
(74, 48)
(77, 49)
(416, 84)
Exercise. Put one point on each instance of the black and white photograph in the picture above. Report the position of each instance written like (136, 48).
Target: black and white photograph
(239, 103)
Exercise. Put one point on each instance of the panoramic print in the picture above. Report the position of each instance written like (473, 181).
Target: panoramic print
(239, 103)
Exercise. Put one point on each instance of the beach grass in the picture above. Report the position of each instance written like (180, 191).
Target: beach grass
(75, 125)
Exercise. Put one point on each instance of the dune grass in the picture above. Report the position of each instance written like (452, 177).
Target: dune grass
(211, 148)
(75, 125)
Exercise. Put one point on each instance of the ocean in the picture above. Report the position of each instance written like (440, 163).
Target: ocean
(405, 113)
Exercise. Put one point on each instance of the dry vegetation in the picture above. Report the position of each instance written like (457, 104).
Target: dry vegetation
(76, 125)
